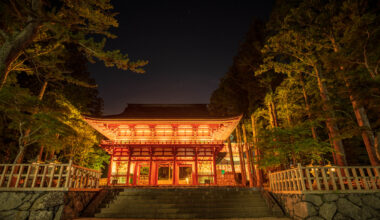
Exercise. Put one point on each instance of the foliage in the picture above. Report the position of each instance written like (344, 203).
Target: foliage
(312, 77)
(45, 86)
(80, 144)
(288, 146)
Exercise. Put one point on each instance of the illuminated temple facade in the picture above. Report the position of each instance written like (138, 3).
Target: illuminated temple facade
(155, 145)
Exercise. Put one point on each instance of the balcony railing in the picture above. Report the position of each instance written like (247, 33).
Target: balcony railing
(321, 179)
(47, 177)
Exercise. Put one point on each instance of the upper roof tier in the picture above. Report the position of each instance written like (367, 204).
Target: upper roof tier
(141, 122)
(164, 111)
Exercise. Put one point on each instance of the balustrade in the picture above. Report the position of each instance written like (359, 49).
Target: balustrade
(319, 179)
(47, 177)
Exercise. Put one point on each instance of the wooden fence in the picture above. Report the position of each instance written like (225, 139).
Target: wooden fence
(319, 179)
(47, 177)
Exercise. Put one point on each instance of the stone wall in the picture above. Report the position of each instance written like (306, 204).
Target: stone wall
(331, 206)
(43, 205)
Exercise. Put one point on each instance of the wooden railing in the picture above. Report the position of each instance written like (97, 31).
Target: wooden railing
(319, 179)
(47, 177)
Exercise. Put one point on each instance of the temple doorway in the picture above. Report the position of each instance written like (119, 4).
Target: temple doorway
(142, 174)
(164, 173)
(185, 174)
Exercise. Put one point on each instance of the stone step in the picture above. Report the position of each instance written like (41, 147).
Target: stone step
(184, 215)
(145, 216)
(155, 204)
(189, 192)
(186, 203)
(216, 196)
(131, 191)
(186, 210)
(191, 199)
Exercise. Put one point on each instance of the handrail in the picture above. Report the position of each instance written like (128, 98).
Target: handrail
(41, 177)
(319, 179)
(85, 168)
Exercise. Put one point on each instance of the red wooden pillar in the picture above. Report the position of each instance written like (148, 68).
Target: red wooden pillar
(150, 167)
(110, 169)
(135, 174)
(214, 165)
(196, 166)
(129, 165)
(174, 167)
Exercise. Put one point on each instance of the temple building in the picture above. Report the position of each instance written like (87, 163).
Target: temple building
(159, 144)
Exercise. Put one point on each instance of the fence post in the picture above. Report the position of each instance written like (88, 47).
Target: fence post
(270, 181)
(68, 174)
(300, 173)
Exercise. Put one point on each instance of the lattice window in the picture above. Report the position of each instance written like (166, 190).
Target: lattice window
(143, 130)
(185, 130)
(164, 130)
(203, 130)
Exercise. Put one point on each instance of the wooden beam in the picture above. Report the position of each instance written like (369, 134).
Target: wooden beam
(150, 166)
(110, 170)
(196, 165)
(214, 167)
(129, 165)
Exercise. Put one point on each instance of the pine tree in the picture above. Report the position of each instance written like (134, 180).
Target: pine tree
(43, 27)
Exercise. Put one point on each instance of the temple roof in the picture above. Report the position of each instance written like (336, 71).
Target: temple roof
(164, 111)
(142, 122)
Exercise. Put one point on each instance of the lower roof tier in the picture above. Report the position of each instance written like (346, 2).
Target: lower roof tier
(159, 142)
(162, 150)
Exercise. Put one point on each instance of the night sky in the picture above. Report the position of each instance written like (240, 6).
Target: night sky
(189, 45)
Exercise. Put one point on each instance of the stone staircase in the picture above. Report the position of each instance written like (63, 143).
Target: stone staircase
(187, 203)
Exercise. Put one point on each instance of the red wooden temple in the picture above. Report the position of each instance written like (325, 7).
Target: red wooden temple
(164, 144)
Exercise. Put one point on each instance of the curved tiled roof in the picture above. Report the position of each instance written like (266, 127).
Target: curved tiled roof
(164, 111)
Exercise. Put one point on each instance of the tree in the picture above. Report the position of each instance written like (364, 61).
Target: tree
(47, 26)
(355, 59)
(19, 106)
(39, 39)
(294, 41)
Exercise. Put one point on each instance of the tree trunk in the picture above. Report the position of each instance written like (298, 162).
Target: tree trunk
(377, 145)
(20, 155)
(250, 174)
(40, 153)
(40, 96)
(366, 130)
(241, 159)
(258, 172)
(362, 118)
(307, 106)
(330, 121)
(232, 160)
(272, 113)
(42, 90)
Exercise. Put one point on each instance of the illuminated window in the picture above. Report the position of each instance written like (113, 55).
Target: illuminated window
(124, 130)
(164, 130)
(143, 130)
(185, 130)
(203, 130)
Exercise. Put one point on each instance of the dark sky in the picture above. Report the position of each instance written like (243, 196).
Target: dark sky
(189, 45)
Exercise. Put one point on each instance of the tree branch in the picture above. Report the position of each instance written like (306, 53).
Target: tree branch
(4, 35)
